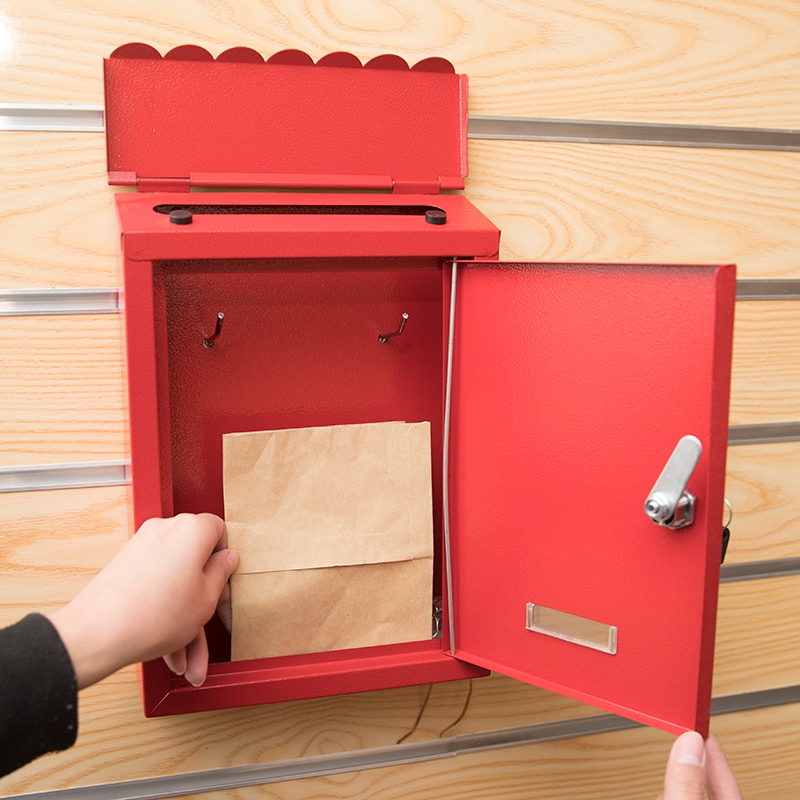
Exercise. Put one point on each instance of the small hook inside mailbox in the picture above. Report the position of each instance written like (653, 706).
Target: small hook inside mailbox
(209, 342)
(384, 337)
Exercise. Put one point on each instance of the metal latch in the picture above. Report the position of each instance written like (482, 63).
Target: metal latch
(669, 504)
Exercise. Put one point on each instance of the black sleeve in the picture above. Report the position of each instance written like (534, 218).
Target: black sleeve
(38, 693)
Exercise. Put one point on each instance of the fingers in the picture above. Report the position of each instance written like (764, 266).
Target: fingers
(197, 660)
(224, 609)
(219, 568)
(722, 784)
(204, 534)
(685, 775)
(224, 569)
(194, 536)
(217, 526)
(192, 661)
(177, 661)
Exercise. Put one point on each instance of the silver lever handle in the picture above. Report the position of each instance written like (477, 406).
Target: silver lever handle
(669, 504)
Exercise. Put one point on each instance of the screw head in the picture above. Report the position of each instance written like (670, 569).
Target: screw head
(435, 216)
(653, 508)
(657, 507)
(180, 216)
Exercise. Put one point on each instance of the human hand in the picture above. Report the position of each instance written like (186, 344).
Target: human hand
(151, 600)
(695, 766)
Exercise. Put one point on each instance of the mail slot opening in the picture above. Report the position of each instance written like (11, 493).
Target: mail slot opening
(301, 209)
(299, 348)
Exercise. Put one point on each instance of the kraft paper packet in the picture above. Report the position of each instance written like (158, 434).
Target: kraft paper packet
(334, 528)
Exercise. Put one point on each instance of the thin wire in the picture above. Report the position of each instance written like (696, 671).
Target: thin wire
(463, 711)
(419, 716)
(730, 512)
(445, 463)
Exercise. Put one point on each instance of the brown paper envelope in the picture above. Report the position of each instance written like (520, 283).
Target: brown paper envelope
(315, 610)
(335, 533)
(335, 496)
(420, 501)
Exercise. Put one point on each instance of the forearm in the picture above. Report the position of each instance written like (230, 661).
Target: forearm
(92, 646)
(38, 693)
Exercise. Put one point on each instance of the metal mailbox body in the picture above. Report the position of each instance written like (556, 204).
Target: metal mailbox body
(568, 384)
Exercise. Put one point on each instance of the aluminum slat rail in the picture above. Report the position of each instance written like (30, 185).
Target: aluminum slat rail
(631, 133)
(36, 302)
(76, 117)
(102, 300)
(64, 476)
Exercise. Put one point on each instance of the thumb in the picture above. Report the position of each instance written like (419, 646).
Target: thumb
(685, 775)
(219, 567)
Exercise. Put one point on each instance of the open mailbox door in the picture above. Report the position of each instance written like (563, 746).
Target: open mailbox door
(570, 387)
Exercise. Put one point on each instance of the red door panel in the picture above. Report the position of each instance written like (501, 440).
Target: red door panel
(571, 385)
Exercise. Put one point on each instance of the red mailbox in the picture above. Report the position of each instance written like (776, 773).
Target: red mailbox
(556, 393)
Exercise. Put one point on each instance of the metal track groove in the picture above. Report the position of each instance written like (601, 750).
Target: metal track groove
(102, 300)
(70, 117)
(63, 476)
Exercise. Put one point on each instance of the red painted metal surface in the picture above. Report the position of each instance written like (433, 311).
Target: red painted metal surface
(149, 235)
(571, 386)
(207, 122)
(299, 347)
(571, 383)
(246, 683)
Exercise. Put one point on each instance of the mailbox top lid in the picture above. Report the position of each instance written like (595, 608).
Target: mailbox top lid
(188, 119)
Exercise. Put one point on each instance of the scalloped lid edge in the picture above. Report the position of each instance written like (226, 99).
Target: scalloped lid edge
(246, 55)
(189, 119)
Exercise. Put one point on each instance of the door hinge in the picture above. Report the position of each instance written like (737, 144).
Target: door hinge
(163, 184)
(416, 187)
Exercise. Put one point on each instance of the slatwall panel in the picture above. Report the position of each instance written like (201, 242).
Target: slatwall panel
(703, 62)
(712, 62)
(763, 747)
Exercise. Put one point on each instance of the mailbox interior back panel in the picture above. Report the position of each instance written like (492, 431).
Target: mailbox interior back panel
(298, 347)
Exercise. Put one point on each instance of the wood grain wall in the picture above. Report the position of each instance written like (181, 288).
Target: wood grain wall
(705, 62)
